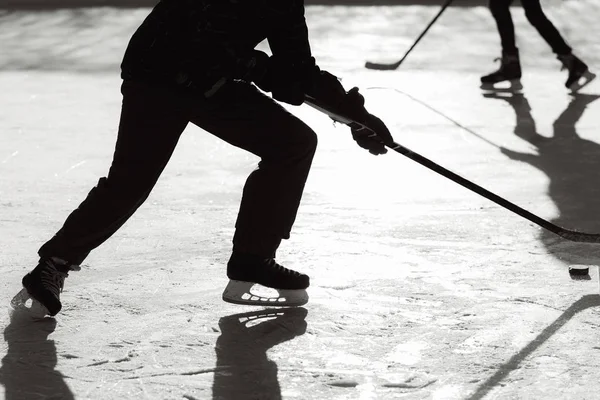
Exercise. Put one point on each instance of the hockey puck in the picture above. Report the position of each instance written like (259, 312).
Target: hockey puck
(579, 270)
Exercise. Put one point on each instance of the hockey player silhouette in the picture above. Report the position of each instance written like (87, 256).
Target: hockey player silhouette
(195, 61)
(510, 65)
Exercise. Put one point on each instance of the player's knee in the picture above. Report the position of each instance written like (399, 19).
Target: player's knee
(298, 147)
(492, 4)
(497, 6)
(311, 140)
(294, 142)
(306, 143)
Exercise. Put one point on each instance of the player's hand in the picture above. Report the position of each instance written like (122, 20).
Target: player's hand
(375, 137)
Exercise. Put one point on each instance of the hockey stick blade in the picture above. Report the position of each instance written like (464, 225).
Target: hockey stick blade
(381, 66)
(571, 235)
(393, 66)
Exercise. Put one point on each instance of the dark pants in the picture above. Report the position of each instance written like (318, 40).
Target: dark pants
(152, 120)
(535, 15)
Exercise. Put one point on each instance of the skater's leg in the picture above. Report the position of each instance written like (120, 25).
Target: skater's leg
(248, 119)
(500, 10)
(152, 121)
(510, 67)
(535, 15)
(579, 75)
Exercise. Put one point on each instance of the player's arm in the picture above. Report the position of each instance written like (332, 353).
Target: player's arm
(218, 41)
(327, 94)
(294, 76)
(291, 66)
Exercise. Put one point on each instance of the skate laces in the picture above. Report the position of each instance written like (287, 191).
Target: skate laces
(504, 60)
(566, 60)
(272, 264)
(54, 274)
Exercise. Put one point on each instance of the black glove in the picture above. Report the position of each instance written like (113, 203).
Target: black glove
(287, 81)
(253, 67)
(368, 131)
(374, 135)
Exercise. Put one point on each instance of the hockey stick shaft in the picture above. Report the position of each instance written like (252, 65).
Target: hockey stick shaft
(565, 233)
(571, 235)
(372, 65)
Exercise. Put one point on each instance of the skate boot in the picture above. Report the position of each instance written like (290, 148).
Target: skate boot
(43, 286)
(509, 71)
(579, 74)
(279, 286)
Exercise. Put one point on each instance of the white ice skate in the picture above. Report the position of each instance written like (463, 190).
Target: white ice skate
(24, 305)
(582, 81)
(40, 295)
(249, 293)
(507, 78)
(508, 86)
(579, 73)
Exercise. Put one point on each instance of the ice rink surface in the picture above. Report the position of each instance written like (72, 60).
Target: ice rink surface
(420, 288)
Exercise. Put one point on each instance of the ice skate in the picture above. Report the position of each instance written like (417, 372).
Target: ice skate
(579, 73)
(40, 295)
(262, 282)
(508, 73)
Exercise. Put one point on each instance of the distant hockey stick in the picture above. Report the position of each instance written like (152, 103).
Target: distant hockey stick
(571, 235)
(389, 67)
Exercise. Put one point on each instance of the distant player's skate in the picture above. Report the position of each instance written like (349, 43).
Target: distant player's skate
(262, 282)
(579, 73)
(507, 78)
(40, 295)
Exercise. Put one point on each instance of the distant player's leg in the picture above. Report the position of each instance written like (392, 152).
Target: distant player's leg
(579, 74)
(510, 65)
(248, 119)
(151, 124)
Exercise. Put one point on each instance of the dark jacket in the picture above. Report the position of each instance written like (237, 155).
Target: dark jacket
(196, 43)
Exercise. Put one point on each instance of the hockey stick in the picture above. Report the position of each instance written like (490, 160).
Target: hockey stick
(389, 67)
(571, 235)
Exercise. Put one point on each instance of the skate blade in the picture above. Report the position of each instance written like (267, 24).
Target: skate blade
(24, 305)
(585, 79)
(515, 85)
(249, 293)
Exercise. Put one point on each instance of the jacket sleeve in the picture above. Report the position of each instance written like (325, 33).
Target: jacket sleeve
(220, 35)
(288, 35)
(218, 41)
